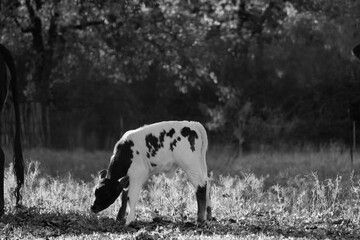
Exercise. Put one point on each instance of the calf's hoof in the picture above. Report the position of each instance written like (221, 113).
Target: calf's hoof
(121, 221)
(200, 221)
(134, 225)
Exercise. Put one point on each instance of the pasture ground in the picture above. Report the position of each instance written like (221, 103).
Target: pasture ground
(307, 194)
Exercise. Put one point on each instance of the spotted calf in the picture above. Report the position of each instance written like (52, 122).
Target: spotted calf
(155, 148)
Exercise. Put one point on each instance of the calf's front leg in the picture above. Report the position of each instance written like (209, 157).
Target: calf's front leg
(133, 197)
(122, 211)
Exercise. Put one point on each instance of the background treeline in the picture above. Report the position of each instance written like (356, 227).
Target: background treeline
(255, 72)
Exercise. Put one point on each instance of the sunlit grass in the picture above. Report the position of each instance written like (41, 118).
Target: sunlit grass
(276, 166)
(243, 203)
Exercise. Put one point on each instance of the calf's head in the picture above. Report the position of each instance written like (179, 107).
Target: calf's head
(107, 190)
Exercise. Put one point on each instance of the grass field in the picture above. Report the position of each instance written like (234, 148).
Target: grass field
(307, 194)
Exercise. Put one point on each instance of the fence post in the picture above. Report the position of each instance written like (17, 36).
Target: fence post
(354, 142)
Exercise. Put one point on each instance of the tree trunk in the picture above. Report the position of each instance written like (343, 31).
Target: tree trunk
(43, 64)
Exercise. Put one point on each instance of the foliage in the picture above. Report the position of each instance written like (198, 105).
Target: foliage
(99, 63)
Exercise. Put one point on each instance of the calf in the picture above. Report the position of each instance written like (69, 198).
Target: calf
(155, 148)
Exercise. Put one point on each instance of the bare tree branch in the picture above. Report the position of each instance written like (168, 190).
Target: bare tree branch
(23, 30)
(36, 28)
(86, 24)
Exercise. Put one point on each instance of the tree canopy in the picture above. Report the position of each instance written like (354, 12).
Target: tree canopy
(253, 71)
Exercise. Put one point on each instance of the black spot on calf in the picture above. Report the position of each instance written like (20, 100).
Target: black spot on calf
(173, 144)
(121, 161)
(191, 136)
(153, 164)
(162, 138)
(153, 145)
(170, 133)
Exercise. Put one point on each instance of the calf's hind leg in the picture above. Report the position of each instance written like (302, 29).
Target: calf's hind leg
(199, 181)
(204, 203)
(201, 202)
(208, 201)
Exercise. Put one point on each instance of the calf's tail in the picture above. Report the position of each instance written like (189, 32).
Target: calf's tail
(204, 146)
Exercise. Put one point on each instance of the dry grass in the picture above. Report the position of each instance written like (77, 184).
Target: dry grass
(288, 201)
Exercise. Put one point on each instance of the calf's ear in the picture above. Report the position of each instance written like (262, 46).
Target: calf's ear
(124, 182)
(102, 174)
